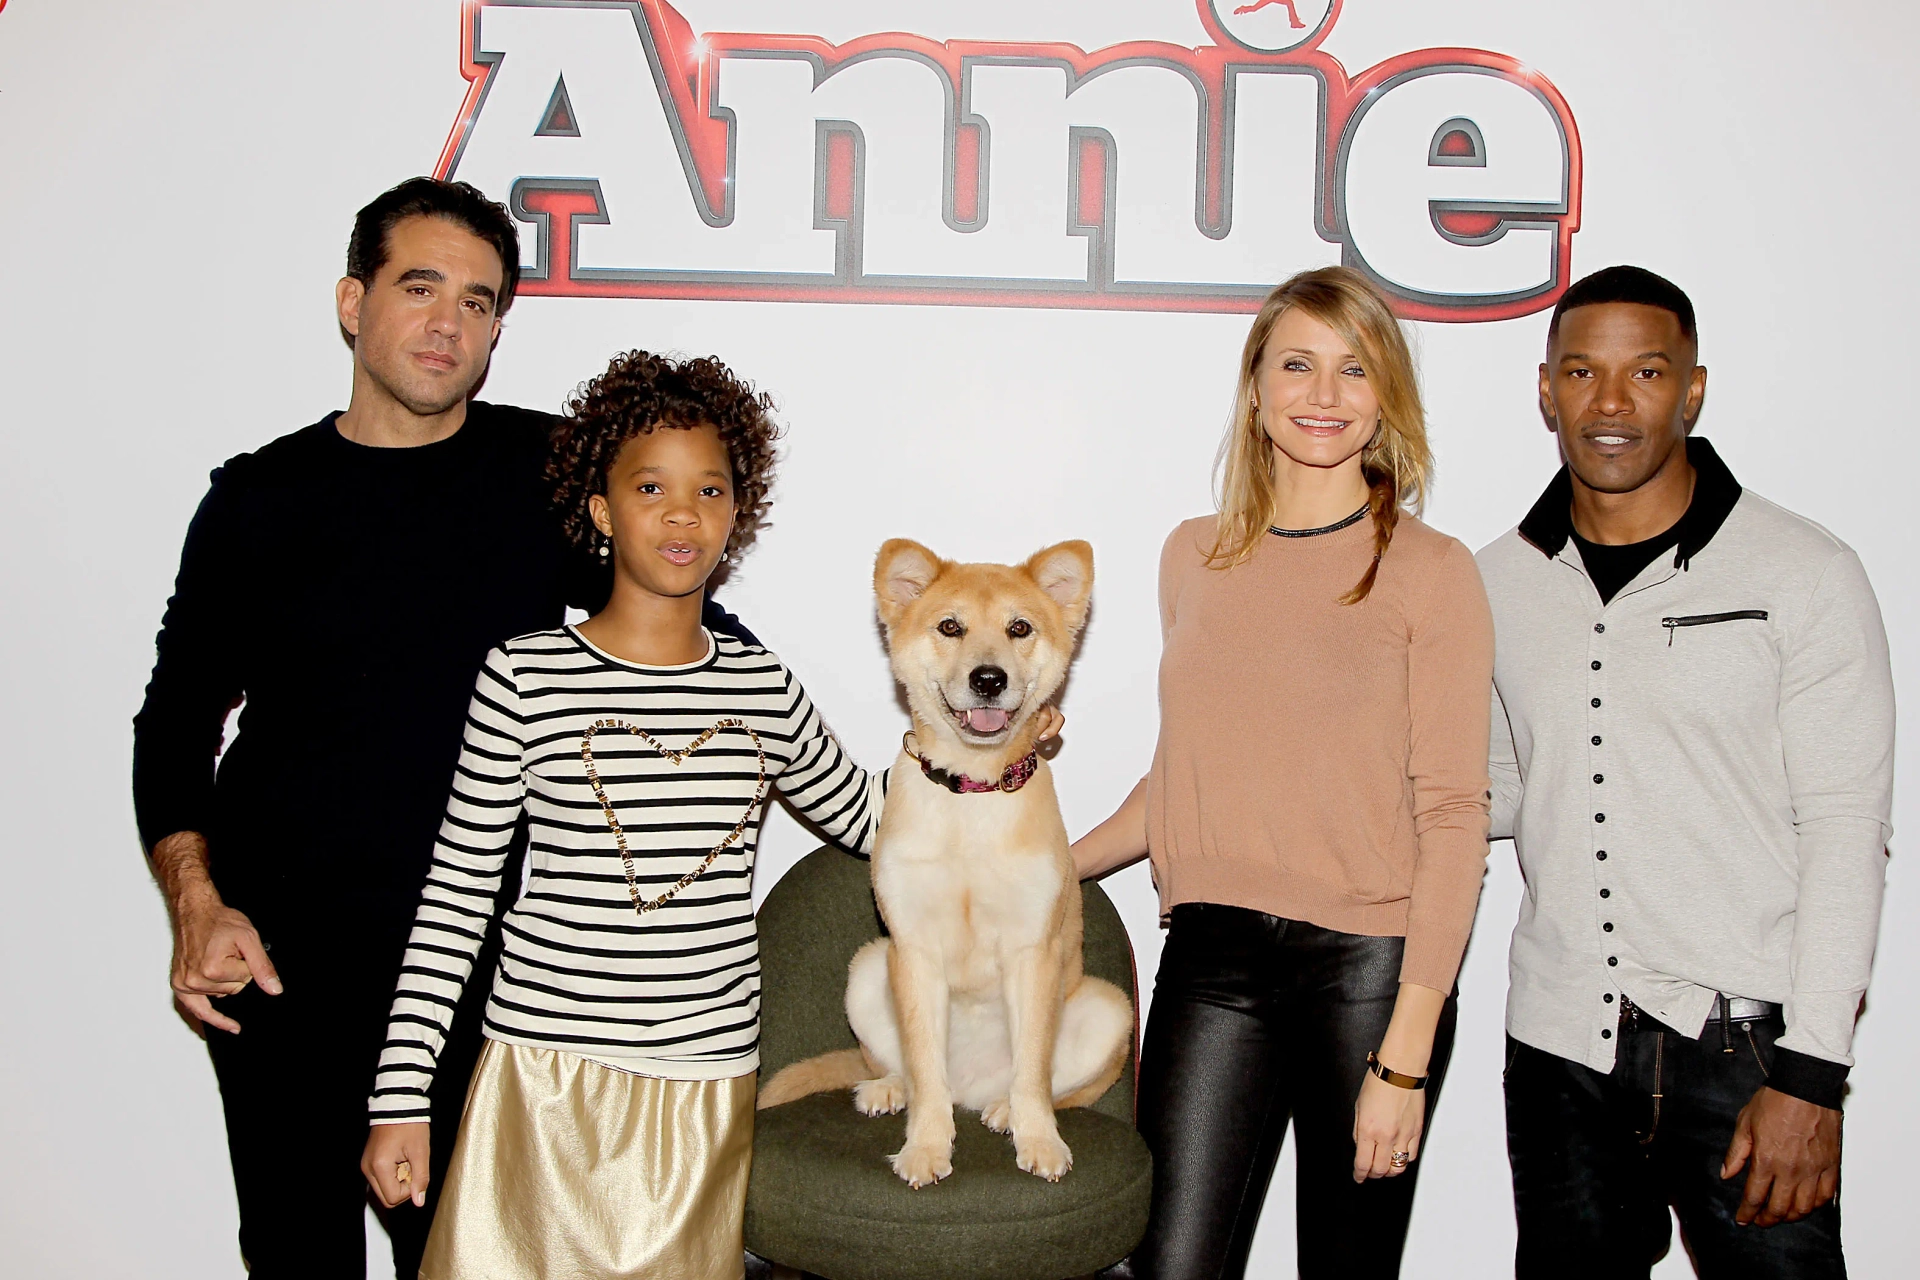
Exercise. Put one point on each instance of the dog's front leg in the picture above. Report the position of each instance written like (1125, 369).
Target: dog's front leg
(1032, 988)
(919, 984)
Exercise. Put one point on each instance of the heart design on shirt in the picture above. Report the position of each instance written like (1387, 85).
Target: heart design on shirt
(674, 758)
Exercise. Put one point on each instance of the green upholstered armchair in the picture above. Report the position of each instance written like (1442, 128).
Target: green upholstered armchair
(823, 1198)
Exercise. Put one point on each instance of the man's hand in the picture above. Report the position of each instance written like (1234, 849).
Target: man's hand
(1795, 1149)
(396, 1162)
(216, 950)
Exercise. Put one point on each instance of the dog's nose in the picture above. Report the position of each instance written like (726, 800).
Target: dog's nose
(988, 682)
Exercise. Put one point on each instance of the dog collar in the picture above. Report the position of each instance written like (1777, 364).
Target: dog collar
(1012, 778)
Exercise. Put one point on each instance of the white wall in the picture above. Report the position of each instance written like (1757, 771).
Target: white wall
(178, 183)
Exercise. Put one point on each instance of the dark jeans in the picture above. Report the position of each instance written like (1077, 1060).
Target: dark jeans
(1597, 1158)
(1256, 1021)
(294, 1086)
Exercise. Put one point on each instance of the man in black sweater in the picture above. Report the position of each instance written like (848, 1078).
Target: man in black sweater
(344, 583)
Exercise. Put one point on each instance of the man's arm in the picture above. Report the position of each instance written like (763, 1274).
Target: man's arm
(1504, 787)
(216, 950)
(1836, 728)
(176, 738)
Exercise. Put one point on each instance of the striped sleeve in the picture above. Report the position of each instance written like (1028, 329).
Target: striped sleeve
(824, 783)
(456, 905)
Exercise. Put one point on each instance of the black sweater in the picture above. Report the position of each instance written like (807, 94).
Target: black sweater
(348, 594)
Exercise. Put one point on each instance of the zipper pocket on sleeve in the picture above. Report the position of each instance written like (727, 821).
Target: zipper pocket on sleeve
(1704, 619)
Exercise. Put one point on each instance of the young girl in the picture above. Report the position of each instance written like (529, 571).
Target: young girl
(608, 1128)
(1316, 811)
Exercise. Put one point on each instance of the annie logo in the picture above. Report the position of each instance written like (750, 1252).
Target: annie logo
(651, 162)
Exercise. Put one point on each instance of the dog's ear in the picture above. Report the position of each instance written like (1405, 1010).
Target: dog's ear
(901, 574)
(1065, 572)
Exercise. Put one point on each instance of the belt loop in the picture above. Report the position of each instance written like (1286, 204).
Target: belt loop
(1726, 1022)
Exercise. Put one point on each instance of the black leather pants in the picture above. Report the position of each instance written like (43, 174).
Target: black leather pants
(1256, 1021)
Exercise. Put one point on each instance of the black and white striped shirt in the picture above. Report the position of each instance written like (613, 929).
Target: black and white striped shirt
(674, 992)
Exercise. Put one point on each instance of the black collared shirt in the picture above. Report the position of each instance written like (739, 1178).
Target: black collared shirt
(1549, 524)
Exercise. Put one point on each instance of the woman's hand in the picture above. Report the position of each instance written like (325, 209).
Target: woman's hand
(1386, 1119)
(1050, 721)
(395, 1162)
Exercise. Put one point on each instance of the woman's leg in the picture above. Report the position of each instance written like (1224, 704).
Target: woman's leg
(1211, 1107)
(1344, 988)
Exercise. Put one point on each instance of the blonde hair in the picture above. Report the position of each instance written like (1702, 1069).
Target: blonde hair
(1397, 463)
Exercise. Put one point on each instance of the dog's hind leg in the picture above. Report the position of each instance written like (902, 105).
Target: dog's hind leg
(870, 1014)
(1095, 1041)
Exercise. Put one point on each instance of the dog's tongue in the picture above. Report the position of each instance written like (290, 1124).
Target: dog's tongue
(986, 719)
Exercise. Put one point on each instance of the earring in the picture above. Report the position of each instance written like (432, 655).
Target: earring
(606, 548)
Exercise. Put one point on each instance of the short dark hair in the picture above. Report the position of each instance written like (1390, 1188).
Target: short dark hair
(458, 202)
(1626, 284)
(642, 392)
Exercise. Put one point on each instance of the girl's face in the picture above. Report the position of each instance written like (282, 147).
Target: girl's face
(1314, 400)
(668, 508)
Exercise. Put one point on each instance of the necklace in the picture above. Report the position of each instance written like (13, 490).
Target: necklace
(1012, 778)
(1335, 527)
(674, 758)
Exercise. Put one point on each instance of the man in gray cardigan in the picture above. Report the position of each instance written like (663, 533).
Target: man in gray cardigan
(1693, 752)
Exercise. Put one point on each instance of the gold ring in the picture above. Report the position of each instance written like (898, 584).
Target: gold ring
(403, 1172)
(1398, 1160)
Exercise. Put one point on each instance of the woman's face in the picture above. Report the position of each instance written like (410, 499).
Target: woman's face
(1312, 397)
(668, 508)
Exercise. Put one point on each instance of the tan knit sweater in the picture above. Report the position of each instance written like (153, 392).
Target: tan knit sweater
(1320, 761)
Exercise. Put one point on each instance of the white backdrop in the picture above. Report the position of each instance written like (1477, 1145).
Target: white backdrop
(179, 181)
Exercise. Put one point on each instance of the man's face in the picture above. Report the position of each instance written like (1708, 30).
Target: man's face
(1621, 389)
(424, 328)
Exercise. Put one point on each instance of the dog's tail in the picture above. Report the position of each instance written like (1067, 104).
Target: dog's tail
(841, 1069)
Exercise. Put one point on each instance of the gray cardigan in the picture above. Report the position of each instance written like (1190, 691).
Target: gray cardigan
(1697, 777)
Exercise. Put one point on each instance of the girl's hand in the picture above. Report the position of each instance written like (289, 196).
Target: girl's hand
(395, 1162)
(1049, 721)
(1386, 1119)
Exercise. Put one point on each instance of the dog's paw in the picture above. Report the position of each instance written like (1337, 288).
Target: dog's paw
(922, 1166)
(998, 1116)
(1043, 1155)
(882, 1097)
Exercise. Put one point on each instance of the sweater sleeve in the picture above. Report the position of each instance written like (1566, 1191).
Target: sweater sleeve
(1836, 729)
(197, 676)
(456, 906)
(1449, 671)
(824, 783)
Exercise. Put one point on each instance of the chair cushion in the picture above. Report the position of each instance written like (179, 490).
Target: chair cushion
(824, 1199)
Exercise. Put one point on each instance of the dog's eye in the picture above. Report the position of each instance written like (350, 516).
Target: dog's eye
(1020, 628)
(951, 627)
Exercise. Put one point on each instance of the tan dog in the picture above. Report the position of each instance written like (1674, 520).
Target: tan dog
(978, 995)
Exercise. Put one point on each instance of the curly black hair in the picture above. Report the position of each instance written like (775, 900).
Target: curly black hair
(640, 392)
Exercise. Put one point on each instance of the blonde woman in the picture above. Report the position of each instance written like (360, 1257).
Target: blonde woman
(1317, 808)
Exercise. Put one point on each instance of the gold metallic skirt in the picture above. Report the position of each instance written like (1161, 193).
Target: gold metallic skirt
(569, 1170)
